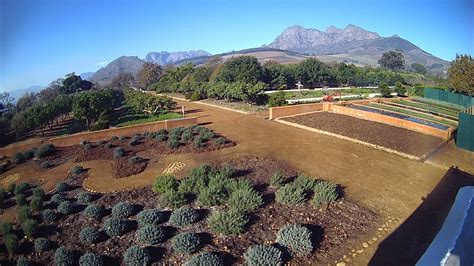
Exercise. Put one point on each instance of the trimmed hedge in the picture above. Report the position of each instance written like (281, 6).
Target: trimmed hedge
(151, 234)
(296, 238)
(135, 255)
(186, 243)
(183, 217)
(263, 255)
(227, 222)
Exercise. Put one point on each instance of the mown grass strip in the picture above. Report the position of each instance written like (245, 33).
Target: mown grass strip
(135, 119)
(427, 107)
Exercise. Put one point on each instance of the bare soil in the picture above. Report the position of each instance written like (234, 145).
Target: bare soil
(391, 137)
(332, 226)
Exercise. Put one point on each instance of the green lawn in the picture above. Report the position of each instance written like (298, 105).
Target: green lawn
(135, 119)
(445, 105)
(427, 107)
(413, 113)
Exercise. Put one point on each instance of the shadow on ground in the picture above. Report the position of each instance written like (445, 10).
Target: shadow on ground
(411, 239)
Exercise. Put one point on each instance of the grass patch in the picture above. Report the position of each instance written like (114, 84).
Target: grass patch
(428, 107)
(135, 119)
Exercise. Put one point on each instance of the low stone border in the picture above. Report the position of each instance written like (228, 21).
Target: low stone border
(406, 155)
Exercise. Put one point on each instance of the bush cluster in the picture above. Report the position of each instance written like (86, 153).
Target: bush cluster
(94, 211)
(186, 243)
(305, 182)
(290, 194)
(135, 255)
(150, 217)
(119, 152)
(245, 200)
(151, 234)
(89, 235)
(49, 215)
(227, 222)
(63, 257)
(115, 227)
(30, 228)
(324, 192)
(296, 238)
(85, 197)
(172, 199)
(183, 217)
(122, 210)
(205, 258)
(62, 187)
(42, 244)
(263, 255)
(164, 183)
(91, 259)
(44, 151)
(277, 180)
(66, 207)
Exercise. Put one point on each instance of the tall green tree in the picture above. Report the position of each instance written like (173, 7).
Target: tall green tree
(419, 68)
(89, 106)
(245, 69)
(313, 72)
(461, 74)
(392, 60)
(149, 74)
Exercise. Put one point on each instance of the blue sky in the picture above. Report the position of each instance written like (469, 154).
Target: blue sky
(41, 40)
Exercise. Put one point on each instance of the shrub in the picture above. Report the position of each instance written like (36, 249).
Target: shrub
(197, 129)
(58, 198)
(305, 182)
(88, 146)
(277, 99)
(122, 210)
(77, 169)
(324, 192)
(6, 228)
(207, 135)
(135, 159)
(11, 243)
(29, 153)
(400, 89)
(165, 182)
(172, 199)
(24, 213)
(66, 207)
(109, 145)
(183, 217)
(42, 244)
(385, 90)
(21, 188)
(277, 180)
(20, 199)
(30, 228)
(221, 141)
(191, 185)
(135, 255)
(290, 194)
(23, 261)
(198, 142)
(38, 192)
(122, 138)
(119, 152)
(11, 187)
(263, 255)
(173, 143)
(150, 217)
(186, 136)
(115, 227)
(295, 237)
(45, 165)
(83, 142)
(133, 142)
(63, 257)
(44, 151)
(161, 137)
(62, 187)
(240, 184)
(228, 222)
(205, 258)
(18, 158)
(89, 235)
(151, 234)
(214, 194)
(245, 200)
(85, 197)
(94, 211)
(49, 215)
(176, 132)
(186, 243)
(90, 259)
(36, 203)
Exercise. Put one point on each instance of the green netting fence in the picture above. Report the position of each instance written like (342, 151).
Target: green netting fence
(450, 97)
(465, 134)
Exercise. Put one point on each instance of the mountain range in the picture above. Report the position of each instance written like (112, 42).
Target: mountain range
(351, 44)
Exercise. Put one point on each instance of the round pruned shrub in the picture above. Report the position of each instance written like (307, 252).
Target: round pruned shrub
(63, 257)
(183, 217)
(122, 210)
(21, 188)
(227, 222)
(11, 243)
(23, 261)
(36, 203)
(24, 213)
(62, 187)
(290, 194)
(135, 159)
(18, 158)
(91, 259)
(205, 258)
(296, 238)
(49, 215)
(277, 180)
(186, 243)
(77, 169)
(165, 182)
(30, 228)
(115, 227)
(172, 199)
(245, 200)
(20, 200)
(136, 255)
(38, 192)
(85, 197)
(263, 255)
(150, 217)
(151, 235)
(94, 211)
(89, 235)
(324, 193)
(44, 151)
(66, 207)
(6, 228)
(42, 244)
(58, 198)
(45, 165)
(119, 152)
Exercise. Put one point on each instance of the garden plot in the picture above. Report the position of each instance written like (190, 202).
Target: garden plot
(395, 138)
(221, 214)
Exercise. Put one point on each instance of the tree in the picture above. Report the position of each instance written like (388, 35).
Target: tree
(461, 74)
(146, 103)
(149, 73)
(400, 89)
(385, 90)
(419, 68)
(91, 105)
(313, 72)
(73, 83)
(245, 69)
(6, 99)
(392, 60)
(26, 101)
(123, 80)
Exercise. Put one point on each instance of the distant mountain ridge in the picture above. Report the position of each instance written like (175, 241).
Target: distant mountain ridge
(16, 94)
(123, 64)
(167, 58)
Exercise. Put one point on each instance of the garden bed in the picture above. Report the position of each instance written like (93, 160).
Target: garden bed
(333, 226)
(391, 137)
